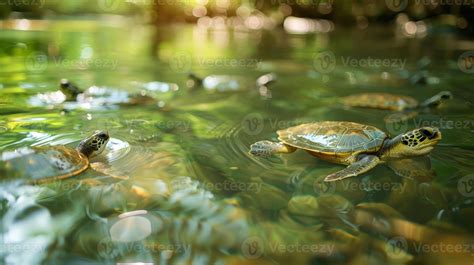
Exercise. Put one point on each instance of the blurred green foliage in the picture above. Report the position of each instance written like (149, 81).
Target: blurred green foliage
(169, 11)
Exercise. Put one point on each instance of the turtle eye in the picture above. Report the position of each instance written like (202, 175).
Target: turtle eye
(428, 133)
(102, 135)
(425, 132)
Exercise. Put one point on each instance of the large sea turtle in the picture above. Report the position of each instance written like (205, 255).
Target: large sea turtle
(359, 146)
(46, 163)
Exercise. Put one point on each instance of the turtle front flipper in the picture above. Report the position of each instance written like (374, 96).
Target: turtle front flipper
(268, 148)
(364, 164)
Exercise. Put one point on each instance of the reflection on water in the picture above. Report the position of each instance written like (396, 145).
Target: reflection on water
(176, 185)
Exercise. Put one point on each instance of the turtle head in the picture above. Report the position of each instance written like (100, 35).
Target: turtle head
(68, 89)
(437, 99)
(94, 144)
(417, 142)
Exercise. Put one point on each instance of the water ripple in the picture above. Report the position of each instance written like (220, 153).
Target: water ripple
(235, 144)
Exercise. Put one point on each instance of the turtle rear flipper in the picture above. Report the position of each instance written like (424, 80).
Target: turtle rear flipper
(366, 163)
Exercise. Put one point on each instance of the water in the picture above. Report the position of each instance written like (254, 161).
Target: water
(177, 183)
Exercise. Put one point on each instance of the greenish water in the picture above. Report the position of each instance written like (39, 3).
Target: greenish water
(183, 161)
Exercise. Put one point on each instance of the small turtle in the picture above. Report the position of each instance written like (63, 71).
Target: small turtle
(223, 83)
(405, 105)
(109, 96)
(46, 163)
(359, 146)
(104, 96)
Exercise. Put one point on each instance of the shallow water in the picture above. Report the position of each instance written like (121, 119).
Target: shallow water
(183, 163)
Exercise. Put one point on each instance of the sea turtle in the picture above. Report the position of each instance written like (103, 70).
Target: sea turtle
(222, 83)
(359, 146)
(405, 105)
(45, 163)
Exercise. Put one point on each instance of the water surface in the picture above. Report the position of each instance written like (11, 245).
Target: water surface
(179, 185)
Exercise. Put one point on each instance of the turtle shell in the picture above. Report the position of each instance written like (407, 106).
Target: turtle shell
(42, 164)
(334, 140)
(381, 101)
